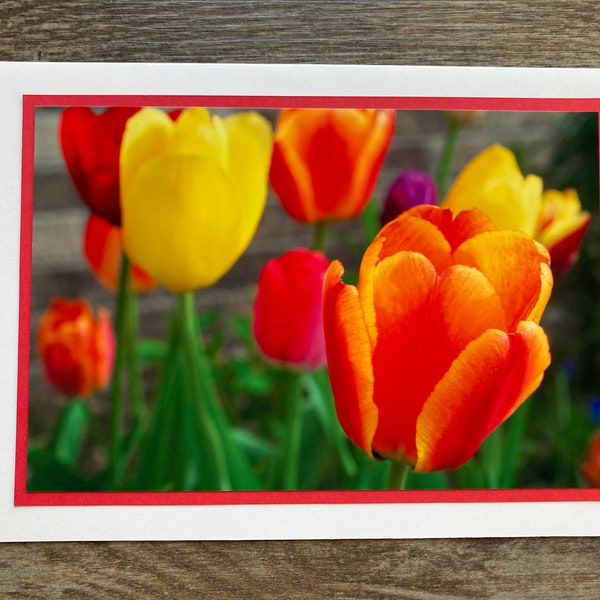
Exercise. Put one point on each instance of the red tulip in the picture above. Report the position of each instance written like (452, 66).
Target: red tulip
(91, 144)
(439, 343)
(590, 469)
(102, 247)
(326, 161)
(288, 321)
(77, 349)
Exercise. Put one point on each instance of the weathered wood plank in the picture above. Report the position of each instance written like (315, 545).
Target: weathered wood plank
(465, 32)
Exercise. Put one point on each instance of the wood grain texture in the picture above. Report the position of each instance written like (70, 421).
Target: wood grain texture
(468, 32)
(536, 33)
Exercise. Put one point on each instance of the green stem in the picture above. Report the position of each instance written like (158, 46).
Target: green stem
(340, 441)
(138, 407)
(398, 475)
(202, 390)
(116, 408)
(492, 454)
(446, 157)
(320, 233)
(293, 438)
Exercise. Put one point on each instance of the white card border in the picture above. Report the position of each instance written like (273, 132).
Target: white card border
(269, 521)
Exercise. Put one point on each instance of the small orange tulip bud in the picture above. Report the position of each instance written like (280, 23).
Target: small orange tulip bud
(77, 349)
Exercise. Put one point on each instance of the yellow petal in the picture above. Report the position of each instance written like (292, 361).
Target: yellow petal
(146, 135)
(196, 133)
(181, 221)
(561, 215)
(249, 143)
(493, 182)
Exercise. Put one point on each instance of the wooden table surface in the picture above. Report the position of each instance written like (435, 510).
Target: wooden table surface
(539, 33)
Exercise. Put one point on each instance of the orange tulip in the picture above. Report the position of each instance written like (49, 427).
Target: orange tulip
(439, 342)
(102, 247)
(326, 161)
(77, 349)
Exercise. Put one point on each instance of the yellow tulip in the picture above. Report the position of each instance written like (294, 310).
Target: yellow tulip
(192, 192)
(493, 182)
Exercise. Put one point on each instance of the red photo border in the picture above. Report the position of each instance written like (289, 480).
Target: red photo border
(24, 498)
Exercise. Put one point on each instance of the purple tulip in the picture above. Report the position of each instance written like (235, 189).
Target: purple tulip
(410, 189)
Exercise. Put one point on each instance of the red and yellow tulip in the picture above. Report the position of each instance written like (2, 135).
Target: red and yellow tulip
(76, 348)
(439, 342)
(493, 182)
(192, 192)
(561, 227)
(288, 320)
(326, 161)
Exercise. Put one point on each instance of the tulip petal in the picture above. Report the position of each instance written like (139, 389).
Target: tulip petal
(483, 387)
(506, 259)
(423, 327)
(290, 178)
(102, 249)
(146, 136)
(467, 305)
(411, 233)
(249, 155)
(335, 146)
(103, 246)
(493, 182)
(196, 133)
(104, 345)
(349, 359)
(370, 157)
(325, 161)
(288, 315)
(77, 351)
(90, 144)
(400, 357)
(173, 225)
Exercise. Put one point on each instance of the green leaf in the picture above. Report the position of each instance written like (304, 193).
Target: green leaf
(151, 351)
(436, 480)
(47, 474)
(515, 429)
(254, 446)
(70, 432)
(370, 220)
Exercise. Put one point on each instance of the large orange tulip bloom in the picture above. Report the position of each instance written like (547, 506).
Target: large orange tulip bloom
(439, 343)
(326, 161)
